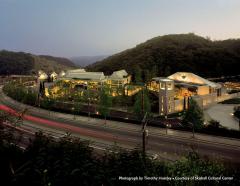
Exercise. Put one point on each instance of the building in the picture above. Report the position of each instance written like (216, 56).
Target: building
(42, 76)
(174, 91)
(189, 84)
(118, 78)
(94, 80)
(53, 75)
(165, 92)
(81, 78)
(62, 73)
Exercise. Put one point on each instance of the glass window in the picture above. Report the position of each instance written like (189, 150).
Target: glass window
(162, 85)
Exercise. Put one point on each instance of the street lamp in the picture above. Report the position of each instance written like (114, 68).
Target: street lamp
(73, 109)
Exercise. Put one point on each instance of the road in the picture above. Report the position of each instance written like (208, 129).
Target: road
(169, 146)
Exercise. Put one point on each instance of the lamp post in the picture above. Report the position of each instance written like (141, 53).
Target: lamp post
(73, 109)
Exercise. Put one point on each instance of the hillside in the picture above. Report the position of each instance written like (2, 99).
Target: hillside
(83, 61)
(59, 60)
(164, 55)
(26, 64)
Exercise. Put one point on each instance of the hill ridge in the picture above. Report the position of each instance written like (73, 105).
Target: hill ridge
(165, 55)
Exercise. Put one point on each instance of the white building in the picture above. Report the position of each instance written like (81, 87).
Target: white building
(118, 78)
(54, 75)
(42, 75)
(192, 84)
(165, 89)
(174, 91)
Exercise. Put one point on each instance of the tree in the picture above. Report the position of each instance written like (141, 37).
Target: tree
(167, 71)
(138, 74)
(147, 76)
(142, 103)
(194, 115)
(47, 103)
(154, 71)
(30, 98)
(105, 102)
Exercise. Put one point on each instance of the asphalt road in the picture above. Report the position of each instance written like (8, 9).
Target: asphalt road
(165, 146)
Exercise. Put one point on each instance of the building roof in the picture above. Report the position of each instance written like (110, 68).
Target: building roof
(188, 77)
(54, 74)
(81, 74)
(43, 76)
(62, 73)
(163, 79)
(41, 72)
(120, 74)
(76, 70)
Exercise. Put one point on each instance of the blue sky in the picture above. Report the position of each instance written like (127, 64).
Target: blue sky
(95, 27)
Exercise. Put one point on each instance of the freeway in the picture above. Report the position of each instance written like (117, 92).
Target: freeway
(168, 147)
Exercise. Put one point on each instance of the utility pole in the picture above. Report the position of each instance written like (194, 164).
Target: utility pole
(193, 135)
(166, 101)
(144, 124)
(142, 96)
(166, 106)
(88, 105)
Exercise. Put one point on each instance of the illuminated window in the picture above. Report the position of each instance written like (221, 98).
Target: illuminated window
(162, 85)
(169, 86)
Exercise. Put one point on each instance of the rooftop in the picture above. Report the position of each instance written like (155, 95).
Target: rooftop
(162, 79)
(120, 74)
(187, 77)
(83, 75)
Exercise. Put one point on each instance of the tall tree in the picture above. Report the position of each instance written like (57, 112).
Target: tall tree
(147, 76)
(105, 102)
(142, 104)
(194, 115)
(138, 74)
(167, 71)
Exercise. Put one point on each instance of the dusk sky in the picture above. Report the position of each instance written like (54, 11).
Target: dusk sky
(101, 27)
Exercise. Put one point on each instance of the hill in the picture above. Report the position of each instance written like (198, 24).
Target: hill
(164, 55)
(21, 63)
(59, 60)
(83, 61)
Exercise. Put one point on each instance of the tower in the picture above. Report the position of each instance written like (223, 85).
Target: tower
(166, 95)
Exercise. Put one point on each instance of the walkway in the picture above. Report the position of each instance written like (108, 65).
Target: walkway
(224, 114)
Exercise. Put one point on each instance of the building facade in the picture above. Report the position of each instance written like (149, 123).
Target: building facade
(175, 90)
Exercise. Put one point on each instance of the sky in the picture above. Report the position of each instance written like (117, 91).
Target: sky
(70, 28)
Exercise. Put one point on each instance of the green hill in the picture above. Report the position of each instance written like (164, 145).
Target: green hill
(21, 63)
(164, 55)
